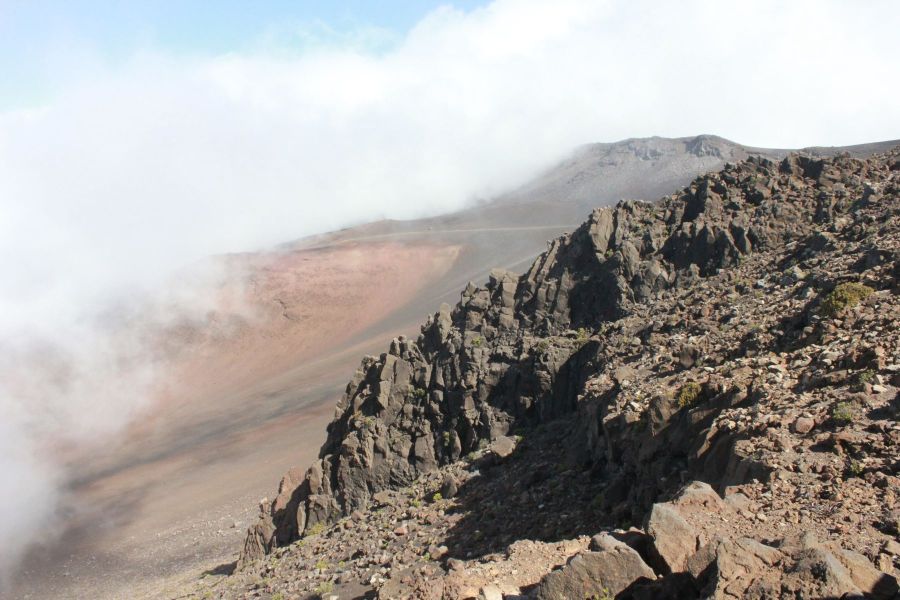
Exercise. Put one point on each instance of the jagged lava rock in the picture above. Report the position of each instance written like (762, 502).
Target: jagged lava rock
(716, 290)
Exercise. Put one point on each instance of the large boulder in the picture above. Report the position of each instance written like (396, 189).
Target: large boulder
(742, 568)
(603, 573)
(826, 570)
(674, 539)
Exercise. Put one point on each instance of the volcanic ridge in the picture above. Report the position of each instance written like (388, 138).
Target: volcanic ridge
(691, 398)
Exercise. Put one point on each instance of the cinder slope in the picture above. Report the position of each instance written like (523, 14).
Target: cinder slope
(253, 385)
(742, 332)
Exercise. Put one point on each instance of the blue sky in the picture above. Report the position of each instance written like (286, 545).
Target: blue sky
(40, 40)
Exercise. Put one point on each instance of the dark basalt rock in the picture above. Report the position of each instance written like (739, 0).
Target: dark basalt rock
(517, 351)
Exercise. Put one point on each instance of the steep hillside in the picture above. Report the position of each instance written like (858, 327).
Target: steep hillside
(742, 333)
(249, 388)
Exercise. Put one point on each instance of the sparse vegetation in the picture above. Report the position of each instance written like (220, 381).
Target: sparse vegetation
(743, 285)
(326, 587)
(867, 376)
(419, 393)
(437, 497)
(856, 469)
(603, 595)
(315, 529)
(477, 342)
(842, 413)
(542, 346)
(581, 336)
(844, 296)
(363, 421)
(321, 565)
(688, 394)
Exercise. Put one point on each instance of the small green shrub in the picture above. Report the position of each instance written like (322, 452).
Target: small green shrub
(842, 413)
(864, 377)
(856, 469)
(315, 529)
(437, 497)
(581, 336)
(325, 588)
(419, 393)
(844, 296)
(477, 342)
(416, 503)
(604, 594)
(542, 346)
(743, 285)
(688, 394)
(277, 596)
(322, 564)
(364, 422)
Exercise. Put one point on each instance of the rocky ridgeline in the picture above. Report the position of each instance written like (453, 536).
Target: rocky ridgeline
(742, 332)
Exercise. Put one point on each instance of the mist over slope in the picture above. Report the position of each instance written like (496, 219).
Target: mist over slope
(267, 340)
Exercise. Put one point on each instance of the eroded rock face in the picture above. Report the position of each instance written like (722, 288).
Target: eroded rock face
(260, 537)
(520, 352)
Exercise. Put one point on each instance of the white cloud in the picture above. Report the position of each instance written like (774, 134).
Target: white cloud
(134, 170)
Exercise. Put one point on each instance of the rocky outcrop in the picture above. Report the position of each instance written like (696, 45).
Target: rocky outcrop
(656, 345)
(515, 352)
(485, 366)
(721, 567)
